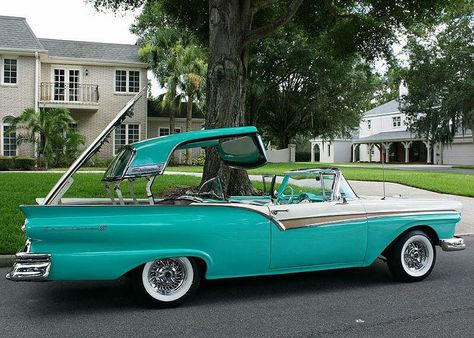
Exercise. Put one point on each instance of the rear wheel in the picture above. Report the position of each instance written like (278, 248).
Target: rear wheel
(413, 257)
(169, 282)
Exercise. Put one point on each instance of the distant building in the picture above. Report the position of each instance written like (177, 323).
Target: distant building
(159, 122)
(383, 132)
(92, 80)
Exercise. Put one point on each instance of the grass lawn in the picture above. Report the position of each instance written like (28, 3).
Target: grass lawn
(448, 183)
(23, 188)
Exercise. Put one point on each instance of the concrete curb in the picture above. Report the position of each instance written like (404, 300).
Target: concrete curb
(6, 260)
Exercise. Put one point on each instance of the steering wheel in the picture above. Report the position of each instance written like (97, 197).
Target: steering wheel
(304, 198)
(291, 195)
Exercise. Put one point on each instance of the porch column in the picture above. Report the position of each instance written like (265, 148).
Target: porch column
(428, 151)
(407, 146)
(312, 151)
(386, 146)
(370, 145)
(354, 145)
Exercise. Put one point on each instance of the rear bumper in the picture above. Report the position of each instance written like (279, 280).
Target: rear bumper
(30, 266)
(452, 244)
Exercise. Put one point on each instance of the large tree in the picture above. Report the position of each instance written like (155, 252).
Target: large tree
(297, 87)
(440, 79)
(232, 26)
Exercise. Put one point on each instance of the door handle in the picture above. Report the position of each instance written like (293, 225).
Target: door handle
(274, 212)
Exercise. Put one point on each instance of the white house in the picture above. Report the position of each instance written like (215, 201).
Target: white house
(383, 132)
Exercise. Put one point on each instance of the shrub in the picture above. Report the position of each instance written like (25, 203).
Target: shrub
(6, 163)
(98, 162)
(24, 163)
(302, 156)
(199, 161)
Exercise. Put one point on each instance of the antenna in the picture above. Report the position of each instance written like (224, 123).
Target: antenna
(383, 169)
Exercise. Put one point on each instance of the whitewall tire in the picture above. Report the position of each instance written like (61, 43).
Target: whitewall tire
(167, 282)
(412, 257)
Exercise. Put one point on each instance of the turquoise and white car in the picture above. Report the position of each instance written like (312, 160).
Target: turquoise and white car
(307, 220)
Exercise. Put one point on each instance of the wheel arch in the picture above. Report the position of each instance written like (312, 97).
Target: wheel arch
(432, 234)
(203, 260)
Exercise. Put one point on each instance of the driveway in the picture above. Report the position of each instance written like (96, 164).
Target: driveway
(420, 167)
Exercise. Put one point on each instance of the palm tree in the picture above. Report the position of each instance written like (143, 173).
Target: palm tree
(193, 68)
(180, 66)
(159, 50)
(45, 129)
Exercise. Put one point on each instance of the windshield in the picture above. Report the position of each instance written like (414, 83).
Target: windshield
(315, 187)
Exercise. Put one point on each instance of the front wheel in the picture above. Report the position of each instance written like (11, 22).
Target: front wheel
(168, 282)
(412, 258)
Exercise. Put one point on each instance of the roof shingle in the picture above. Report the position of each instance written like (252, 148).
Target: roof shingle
(15, 33)
(92, 50)
(388, 107)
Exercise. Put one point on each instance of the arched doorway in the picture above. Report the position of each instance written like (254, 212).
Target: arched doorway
(317, 153)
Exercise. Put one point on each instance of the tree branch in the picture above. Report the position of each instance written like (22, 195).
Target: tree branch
(332, 10)
(262, 4)
(266, 30)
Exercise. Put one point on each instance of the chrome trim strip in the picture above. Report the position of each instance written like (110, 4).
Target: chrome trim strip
(312, 221)
(452, 244)
(295, 223)
(381, 214)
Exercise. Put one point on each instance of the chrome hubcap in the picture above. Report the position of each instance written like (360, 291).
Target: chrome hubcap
(416, 255)
(167, 275)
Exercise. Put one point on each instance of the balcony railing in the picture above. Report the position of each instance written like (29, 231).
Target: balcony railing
(76, 93)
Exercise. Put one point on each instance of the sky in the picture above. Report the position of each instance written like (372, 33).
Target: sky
(74, 20)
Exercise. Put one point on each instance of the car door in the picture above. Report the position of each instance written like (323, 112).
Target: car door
(318, 234)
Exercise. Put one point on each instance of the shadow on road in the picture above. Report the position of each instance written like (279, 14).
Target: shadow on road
(62, 298)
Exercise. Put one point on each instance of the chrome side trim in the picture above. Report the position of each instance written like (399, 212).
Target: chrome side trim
(452, 244)
(30, 267)
(321, 220)
(408, 213)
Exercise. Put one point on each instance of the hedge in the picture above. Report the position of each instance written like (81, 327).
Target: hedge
(16, 163)
(302, 156)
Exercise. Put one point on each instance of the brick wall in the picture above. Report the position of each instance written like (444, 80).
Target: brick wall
(91, 123)
(14, 99)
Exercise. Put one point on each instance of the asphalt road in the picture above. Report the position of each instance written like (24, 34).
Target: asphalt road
(350, 302)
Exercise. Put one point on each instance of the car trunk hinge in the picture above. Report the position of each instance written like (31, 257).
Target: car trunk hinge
(149, 193)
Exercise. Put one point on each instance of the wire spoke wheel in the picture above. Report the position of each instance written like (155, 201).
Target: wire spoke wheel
(169, 280)
(412, 257)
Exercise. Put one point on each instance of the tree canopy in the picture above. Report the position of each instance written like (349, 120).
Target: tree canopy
(440, 79)
(233, 30)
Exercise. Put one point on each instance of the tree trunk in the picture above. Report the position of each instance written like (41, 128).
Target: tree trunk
(227, 73)
(189, 125)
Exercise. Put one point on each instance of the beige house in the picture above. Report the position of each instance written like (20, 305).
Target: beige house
(92, 80)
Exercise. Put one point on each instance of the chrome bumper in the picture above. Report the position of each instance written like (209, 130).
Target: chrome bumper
(452, 244)
(30, 267)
